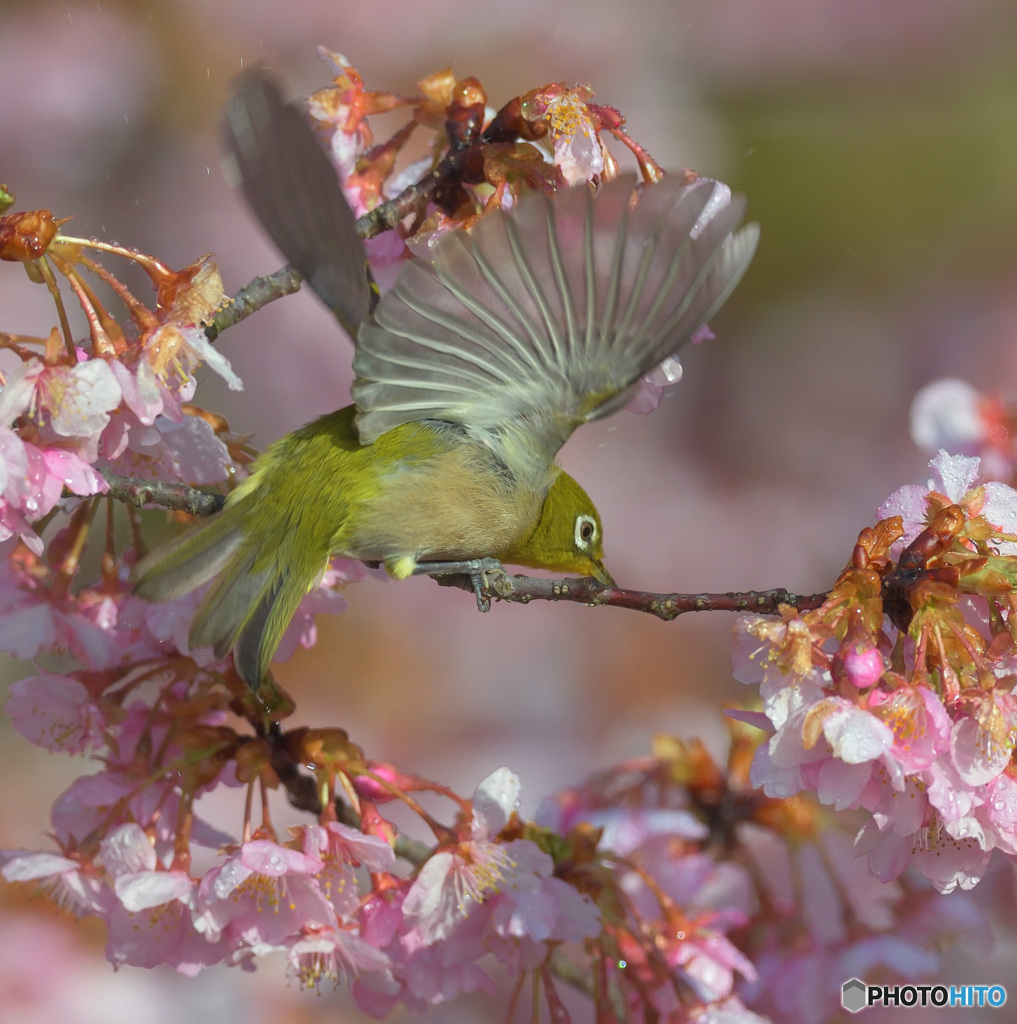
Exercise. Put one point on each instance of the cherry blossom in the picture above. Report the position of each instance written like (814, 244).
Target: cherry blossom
(262, 896)
(56, 712)
(453, 882)
(71, 883)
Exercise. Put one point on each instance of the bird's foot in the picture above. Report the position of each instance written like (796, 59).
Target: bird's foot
(477, 569)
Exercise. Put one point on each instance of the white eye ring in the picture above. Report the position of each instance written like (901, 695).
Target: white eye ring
(586, 532)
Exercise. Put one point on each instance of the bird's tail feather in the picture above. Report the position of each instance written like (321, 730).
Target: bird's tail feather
(260, 634)
(227, 605)
(189, 561)
(250, 604)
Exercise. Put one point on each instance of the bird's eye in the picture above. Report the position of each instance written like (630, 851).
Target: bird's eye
(586, 530)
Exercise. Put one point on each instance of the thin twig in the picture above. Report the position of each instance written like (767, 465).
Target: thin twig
(387, 215)
(587, 590)
(179, 497)
(260, 292)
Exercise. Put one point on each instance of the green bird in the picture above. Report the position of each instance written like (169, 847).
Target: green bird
(471, 373)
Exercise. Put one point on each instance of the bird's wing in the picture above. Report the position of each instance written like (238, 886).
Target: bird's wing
(295, 193)
(545, 317)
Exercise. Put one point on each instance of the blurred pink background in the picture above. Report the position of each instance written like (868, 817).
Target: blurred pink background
(877, 144)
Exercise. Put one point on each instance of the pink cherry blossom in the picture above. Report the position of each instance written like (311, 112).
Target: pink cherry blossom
(67, 401)
(453, 882)
(952, 476)
(947, 862)
(117, 796)
(945, 414)
(978, 755)
(142, 394)
(29, 489)
(577, 147)
(55, 712)
(263, 896)
(627, 829)
(419, 976)
(708, 962)
(998, 814)
(535, 909)
(919, 722)
(151, 922)
(71, 883)
(162, 934)
(788, 683)
(187, 450)
(341, 849)
(956, 478)
(75, 401)
(332, 955)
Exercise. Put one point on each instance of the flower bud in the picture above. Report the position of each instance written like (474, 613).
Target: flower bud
(860, 663)
(26, 236)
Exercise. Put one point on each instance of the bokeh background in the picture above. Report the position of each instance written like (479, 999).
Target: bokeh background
(877, 143)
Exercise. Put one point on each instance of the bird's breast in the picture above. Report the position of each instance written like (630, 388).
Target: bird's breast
(456, 502)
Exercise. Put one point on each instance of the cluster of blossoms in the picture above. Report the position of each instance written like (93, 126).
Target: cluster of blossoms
(675, 890)
(479, 159)
(753, 904)
(118, 397)
(327, 896)
(897, 694)
(484, 158)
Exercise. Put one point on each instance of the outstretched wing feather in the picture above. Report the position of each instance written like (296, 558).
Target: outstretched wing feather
(550, 313)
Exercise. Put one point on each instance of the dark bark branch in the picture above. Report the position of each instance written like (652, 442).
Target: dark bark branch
(179, 497)
(587, 590)
(260, 292)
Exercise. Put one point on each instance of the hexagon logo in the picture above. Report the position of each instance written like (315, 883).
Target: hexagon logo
(852, 995)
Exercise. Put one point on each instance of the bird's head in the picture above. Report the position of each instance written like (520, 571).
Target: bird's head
(568, 537)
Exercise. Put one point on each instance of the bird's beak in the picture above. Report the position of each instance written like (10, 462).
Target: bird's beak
(602, 574)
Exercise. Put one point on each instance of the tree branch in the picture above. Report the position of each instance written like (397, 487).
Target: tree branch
(260, 292)
(387, 215)
(179, 497)
(500, 586)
